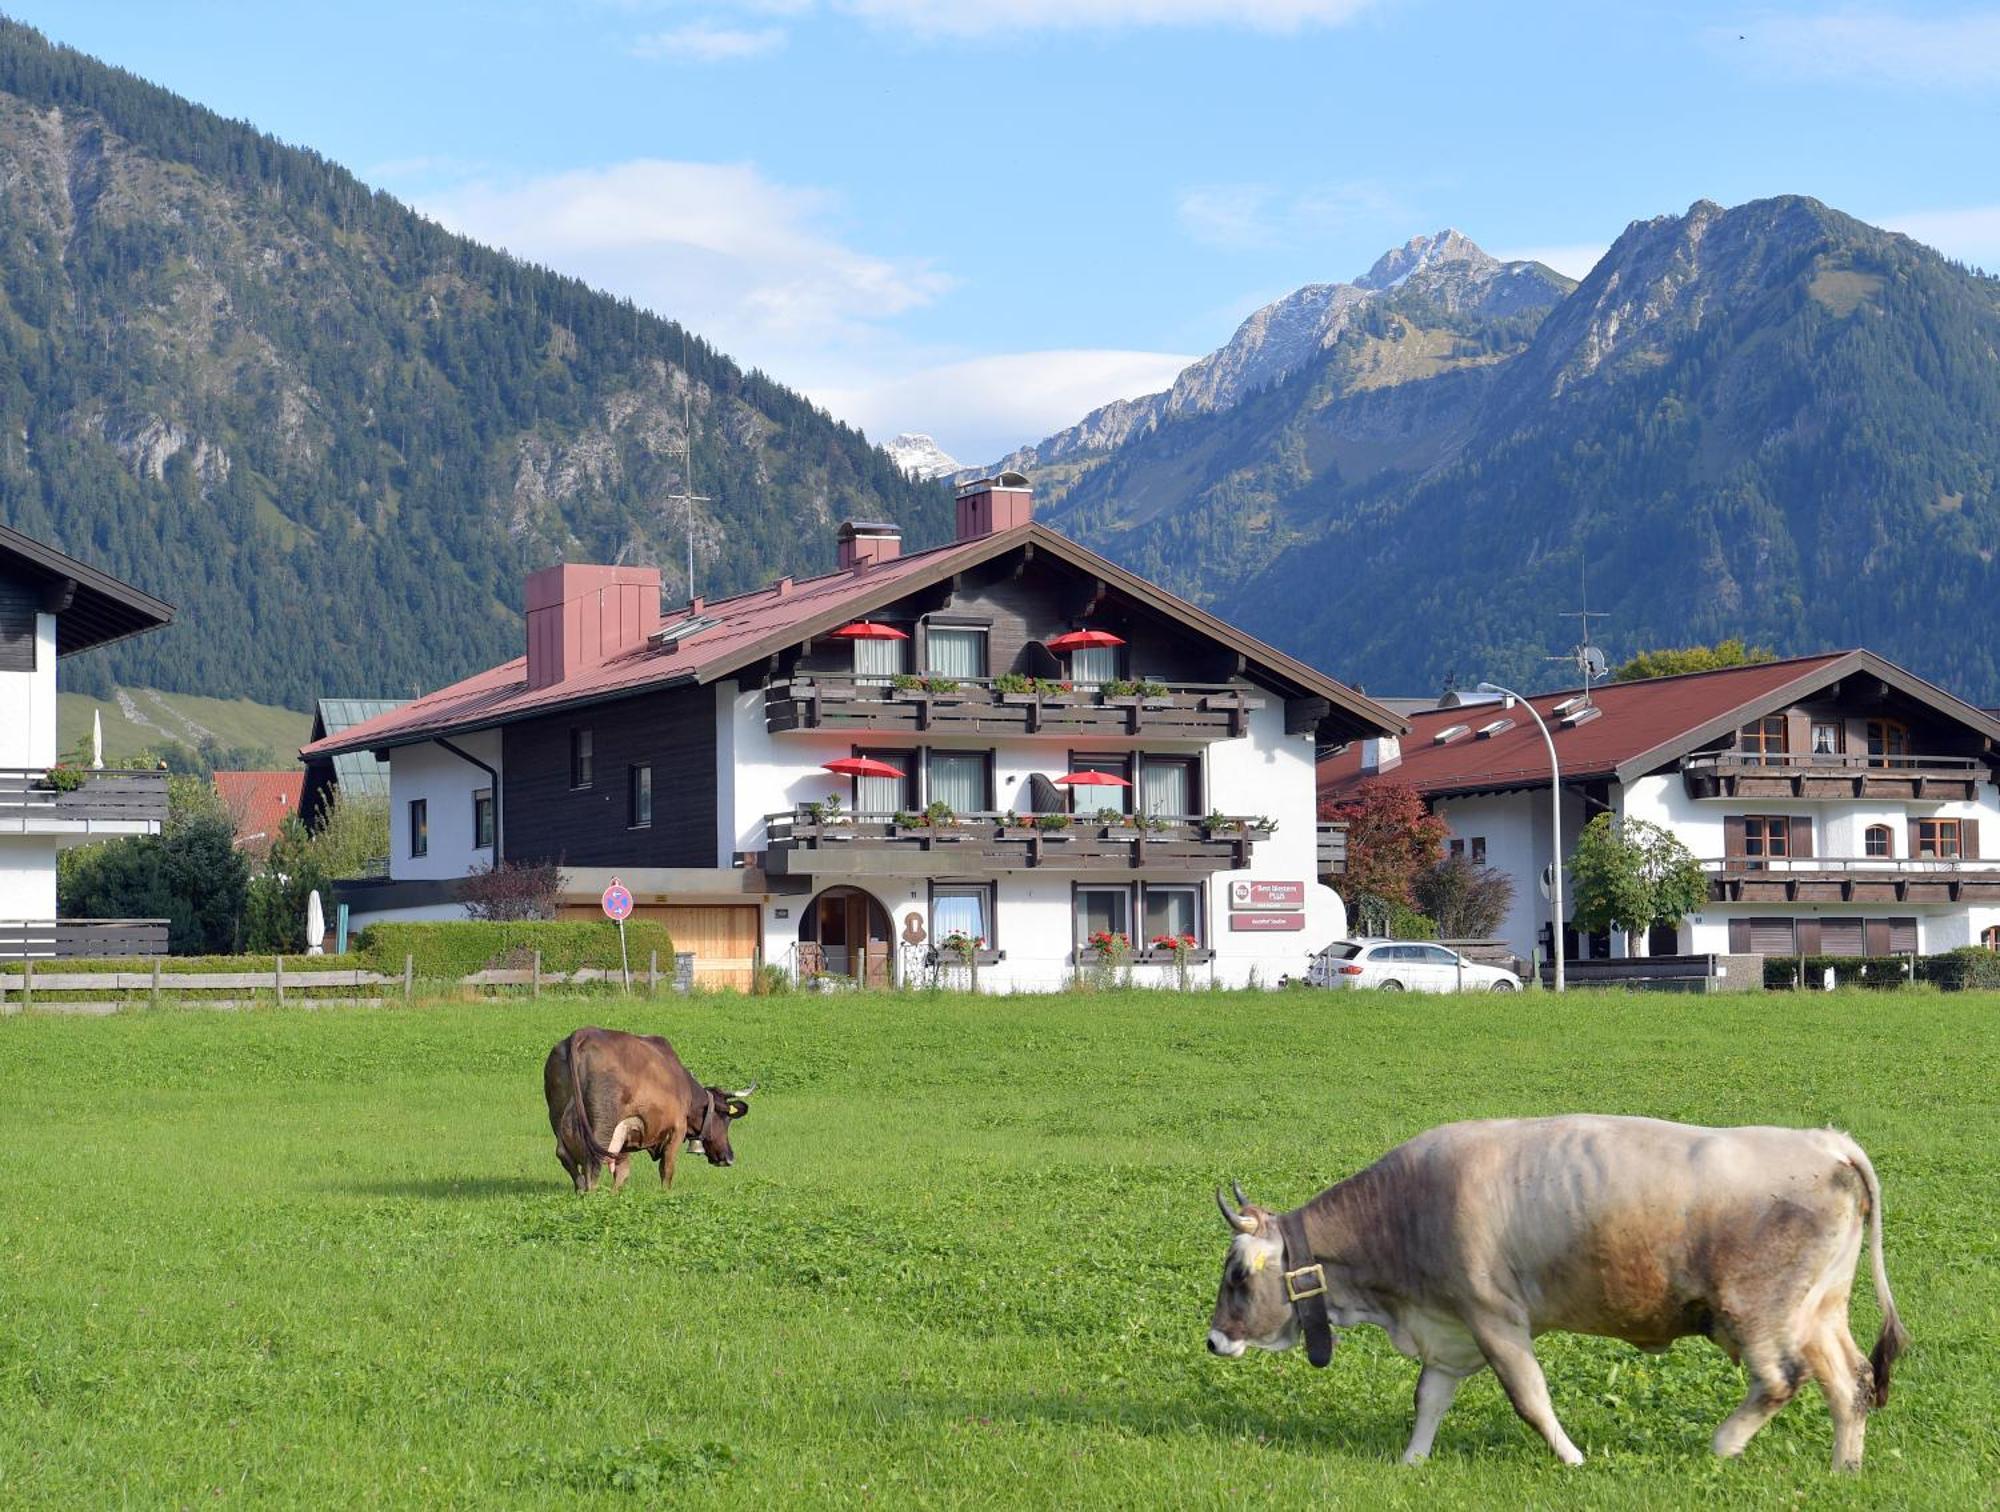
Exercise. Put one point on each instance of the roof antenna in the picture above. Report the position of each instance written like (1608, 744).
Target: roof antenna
(687, 498)
(1585, 657)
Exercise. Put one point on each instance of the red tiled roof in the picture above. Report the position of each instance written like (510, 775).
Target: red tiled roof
(1639, 718)
(753, 625)
(259, 802)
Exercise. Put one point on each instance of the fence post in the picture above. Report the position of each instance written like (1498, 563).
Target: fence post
(27, 983)
(409, 974)
(653, 974)
(535, 979)
(155, 1000)
(278, 980)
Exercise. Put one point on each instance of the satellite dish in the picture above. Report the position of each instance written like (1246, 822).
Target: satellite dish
(1592, 660)
(1548, 881)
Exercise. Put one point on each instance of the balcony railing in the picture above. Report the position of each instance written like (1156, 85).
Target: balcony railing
(1749, 774)
(1853, 879)
(980, 706)
(974, 844)
(1332, 848)
(33, 798)
(72, 939)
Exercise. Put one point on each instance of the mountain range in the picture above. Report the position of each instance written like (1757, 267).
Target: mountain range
(337, 436)
(1772, 421)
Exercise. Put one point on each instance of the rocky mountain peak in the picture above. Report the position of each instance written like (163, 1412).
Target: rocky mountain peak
(921, 457)
(1420, 253)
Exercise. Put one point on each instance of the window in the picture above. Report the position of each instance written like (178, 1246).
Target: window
(1842, 937)
(1878, 841)
(639, 798)
(887, 795)
(1937, 839)
(1767, 835)
(1171, 909)
(877, 662)
(420, 827)
(1478, 850)
(955, 651)
(1088, 800)
(1091, 665)
(958, 778)
(579, 758)
(1990, 937)
(482, 819)
(1829, 738)
(1167, 785)
(1764, 742)
(962, 910)
(1457, 848)
(1887, 739)
(1102, 910)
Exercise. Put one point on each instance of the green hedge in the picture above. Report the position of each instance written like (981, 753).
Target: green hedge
(1967, 966)
(459, 948)
(1848, 971)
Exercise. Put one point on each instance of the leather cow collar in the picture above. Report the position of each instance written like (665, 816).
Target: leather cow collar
(1305, 1289)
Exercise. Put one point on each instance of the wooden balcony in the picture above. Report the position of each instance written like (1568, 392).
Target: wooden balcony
(1852, 879)
(978, 845)
(1743, 774)
(1332, 848)
(38, 801)
(975, 706)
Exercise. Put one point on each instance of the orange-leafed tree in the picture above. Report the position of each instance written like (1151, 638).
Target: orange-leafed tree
(1391, 837)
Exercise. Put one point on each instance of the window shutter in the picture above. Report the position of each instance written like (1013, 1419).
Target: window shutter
(1739, 936)
(1809, 937)
(1732, 835)
(1916, 839)
(1902, 937)
(1772, 936)
(1802, 835)
(1878, 937)
(1968, 839)
(1798, 732)
(1840, 937)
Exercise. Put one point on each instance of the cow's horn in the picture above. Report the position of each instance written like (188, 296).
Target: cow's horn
(1237, 1221)
(744, 1095)
(1237, 1188)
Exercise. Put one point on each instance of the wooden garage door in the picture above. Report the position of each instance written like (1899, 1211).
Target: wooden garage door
(723, 937)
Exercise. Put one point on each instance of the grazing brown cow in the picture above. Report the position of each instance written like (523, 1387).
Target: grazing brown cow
(610, 1093)
(1472, 1238)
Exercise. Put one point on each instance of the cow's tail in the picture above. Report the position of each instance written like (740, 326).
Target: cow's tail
(578, 1112)
(1894, 1338)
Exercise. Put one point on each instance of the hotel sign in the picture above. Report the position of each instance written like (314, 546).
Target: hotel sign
(1289, 896)
(1263, 923)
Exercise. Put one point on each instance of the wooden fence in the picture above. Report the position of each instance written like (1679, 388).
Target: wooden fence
(314, 985)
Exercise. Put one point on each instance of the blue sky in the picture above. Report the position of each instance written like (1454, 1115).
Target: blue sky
(980, 218)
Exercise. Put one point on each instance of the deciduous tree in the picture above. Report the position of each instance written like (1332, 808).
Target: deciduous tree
(1631, 875)
(1391, 836)
(1675, 660)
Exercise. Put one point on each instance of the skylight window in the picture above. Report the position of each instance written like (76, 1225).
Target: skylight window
(1582, 715)
(1450, 733)
(1489, 730)
(670, 636)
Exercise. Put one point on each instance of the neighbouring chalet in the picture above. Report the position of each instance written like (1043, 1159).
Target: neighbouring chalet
(1837, 802)
(53, 606)
(688, 756)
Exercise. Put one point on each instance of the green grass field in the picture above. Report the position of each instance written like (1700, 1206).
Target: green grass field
(966, 1256)
(152, 719)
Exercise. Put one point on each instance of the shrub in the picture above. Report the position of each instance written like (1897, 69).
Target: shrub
(1967, 966)
(1408, 924)
(1848, 971)
(513, 890)
(456, 948)
(1467, 900)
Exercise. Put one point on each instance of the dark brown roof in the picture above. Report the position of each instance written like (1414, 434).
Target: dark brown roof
(1642, 726)
(102, 609)
(754, 625)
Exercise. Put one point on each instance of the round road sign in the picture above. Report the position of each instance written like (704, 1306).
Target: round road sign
(617, 901)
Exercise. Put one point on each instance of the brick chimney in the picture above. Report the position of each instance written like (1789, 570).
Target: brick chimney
(862, 543)
(987, 505)
(580, 617)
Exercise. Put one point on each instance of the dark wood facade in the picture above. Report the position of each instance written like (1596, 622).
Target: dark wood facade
(982, 845)
(546, 819)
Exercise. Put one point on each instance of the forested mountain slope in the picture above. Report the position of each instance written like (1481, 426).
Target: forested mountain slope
(335, 435)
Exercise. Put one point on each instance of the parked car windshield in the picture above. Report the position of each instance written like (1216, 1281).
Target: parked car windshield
(1341, 950)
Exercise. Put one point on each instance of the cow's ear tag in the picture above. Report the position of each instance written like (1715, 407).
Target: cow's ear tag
(1258, 1261)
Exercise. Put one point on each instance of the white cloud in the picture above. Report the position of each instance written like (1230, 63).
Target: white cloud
(756, 266)
(703, 42)
(982, 18)
(1970, 234)
(982, 408)
(1871, 44)
(1253, 216)
(1574, 258)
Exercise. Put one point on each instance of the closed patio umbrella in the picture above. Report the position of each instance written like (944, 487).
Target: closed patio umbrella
(315, 925)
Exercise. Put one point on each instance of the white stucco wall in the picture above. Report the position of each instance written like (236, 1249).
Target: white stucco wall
(27, 877)
(28, 706)
(1265, 772)
(1516, 827)
(446, 782)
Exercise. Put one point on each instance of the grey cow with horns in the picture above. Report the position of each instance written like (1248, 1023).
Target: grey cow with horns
(1472, 1238)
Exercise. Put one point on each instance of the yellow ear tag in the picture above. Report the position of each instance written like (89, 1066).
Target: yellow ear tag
(1258, 1261)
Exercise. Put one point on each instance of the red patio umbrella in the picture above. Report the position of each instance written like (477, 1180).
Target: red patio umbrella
(868, 630)
(862, 766)
(1091, 779)
(1077, 640)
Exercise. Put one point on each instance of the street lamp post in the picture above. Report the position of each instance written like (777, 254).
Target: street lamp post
(1555, 822)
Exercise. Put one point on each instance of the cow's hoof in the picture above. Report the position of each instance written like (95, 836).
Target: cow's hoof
(1411, 1457)
(1573, 1456)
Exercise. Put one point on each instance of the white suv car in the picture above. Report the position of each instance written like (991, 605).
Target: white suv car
(1405, 965)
